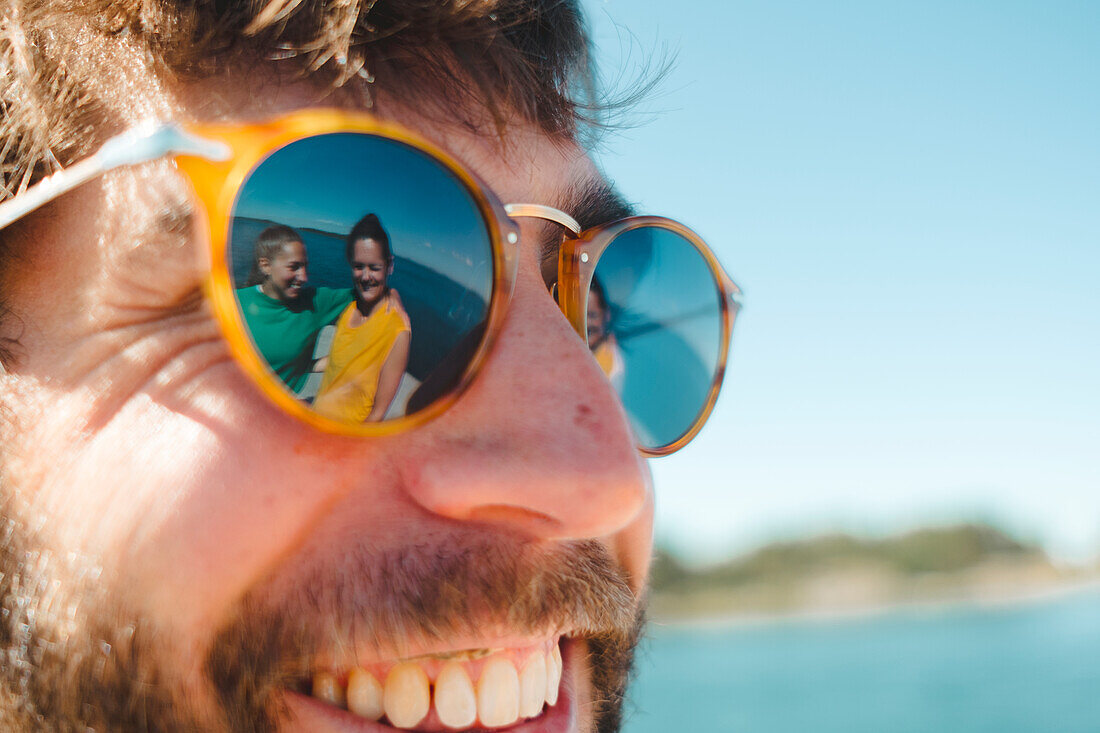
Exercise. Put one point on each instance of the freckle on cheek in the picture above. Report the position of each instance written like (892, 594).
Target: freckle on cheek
(584, 417)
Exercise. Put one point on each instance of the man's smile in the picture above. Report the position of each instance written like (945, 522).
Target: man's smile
(463, 689)
(515, 645)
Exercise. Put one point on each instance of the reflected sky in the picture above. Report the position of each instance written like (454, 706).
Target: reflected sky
(322, 186)
(666, 318)
(329, 182)
(907, 194)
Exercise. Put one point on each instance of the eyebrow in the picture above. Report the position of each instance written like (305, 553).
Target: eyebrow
(593, 202)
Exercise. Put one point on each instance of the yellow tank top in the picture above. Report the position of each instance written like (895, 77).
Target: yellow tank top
(355, 362)
(610, 360)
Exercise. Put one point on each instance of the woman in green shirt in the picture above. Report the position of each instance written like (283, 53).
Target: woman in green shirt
(283, 313)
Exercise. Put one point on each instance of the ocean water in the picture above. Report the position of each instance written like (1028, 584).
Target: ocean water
(442, 311)
(1025, 668)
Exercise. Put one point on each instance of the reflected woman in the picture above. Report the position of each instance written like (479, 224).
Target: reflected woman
(370, 349)
(282, 312)
(601, 339)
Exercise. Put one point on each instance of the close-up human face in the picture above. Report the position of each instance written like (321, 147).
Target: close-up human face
(369, 270)
(242, 567)
(286, 273)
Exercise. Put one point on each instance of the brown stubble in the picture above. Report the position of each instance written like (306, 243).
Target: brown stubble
(378, 603)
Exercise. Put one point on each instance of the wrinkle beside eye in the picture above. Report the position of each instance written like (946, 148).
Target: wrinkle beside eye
(160, 272)
(158, 359)
(128, 313)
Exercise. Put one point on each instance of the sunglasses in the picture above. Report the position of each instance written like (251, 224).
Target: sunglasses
(361, 275)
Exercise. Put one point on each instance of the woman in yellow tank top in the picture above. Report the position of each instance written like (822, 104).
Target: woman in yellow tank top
(370, 349)
(601, 339)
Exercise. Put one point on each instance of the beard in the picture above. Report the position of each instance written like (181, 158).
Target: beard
(73, 660)
(78, 657)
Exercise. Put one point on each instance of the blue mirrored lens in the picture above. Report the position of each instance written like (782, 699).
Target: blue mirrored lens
(655, 327)
(360, 262)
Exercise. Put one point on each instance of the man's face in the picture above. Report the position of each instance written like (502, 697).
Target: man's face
(201, 557)
(285, 274)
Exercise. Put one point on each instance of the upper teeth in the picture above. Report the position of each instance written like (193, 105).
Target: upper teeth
(501, 696)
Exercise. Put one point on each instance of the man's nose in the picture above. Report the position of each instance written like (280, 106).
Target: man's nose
(539, 442)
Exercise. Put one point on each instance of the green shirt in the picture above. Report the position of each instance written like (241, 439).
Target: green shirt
(286, 335)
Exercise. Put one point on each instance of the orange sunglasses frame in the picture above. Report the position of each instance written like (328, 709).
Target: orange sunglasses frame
(577, 266)
(216, 185)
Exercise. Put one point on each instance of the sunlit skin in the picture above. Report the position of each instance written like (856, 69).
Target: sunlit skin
(286, 273)
(149, 450)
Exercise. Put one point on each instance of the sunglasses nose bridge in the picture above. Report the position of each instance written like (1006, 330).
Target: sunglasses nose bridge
(547, 213)
(568, 290)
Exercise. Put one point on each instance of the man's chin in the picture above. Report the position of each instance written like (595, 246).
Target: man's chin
(120, 679)
(101, 664)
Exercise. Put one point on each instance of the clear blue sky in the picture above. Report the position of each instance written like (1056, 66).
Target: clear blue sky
(909, 194)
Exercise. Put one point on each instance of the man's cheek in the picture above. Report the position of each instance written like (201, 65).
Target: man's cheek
(42, 445)
(634, 543)
(99, 488)
(124, 499)
(229, 488)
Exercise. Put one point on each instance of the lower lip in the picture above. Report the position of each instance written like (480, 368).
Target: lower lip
(310, 714)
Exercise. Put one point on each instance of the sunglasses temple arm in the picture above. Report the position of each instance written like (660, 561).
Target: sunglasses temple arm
(138, 145)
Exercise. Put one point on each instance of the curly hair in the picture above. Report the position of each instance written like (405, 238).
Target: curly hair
(63, 65)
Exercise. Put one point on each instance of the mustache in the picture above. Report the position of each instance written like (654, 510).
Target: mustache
(368, 598)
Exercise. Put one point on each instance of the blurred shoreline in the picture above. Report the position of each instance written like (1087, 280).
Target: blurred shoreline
(838, 577)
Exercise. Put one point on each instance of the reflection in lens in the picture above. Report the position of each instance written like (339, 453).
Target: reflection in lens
(601, 339)
(655, 327)
(370, 347)
(362, 267)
